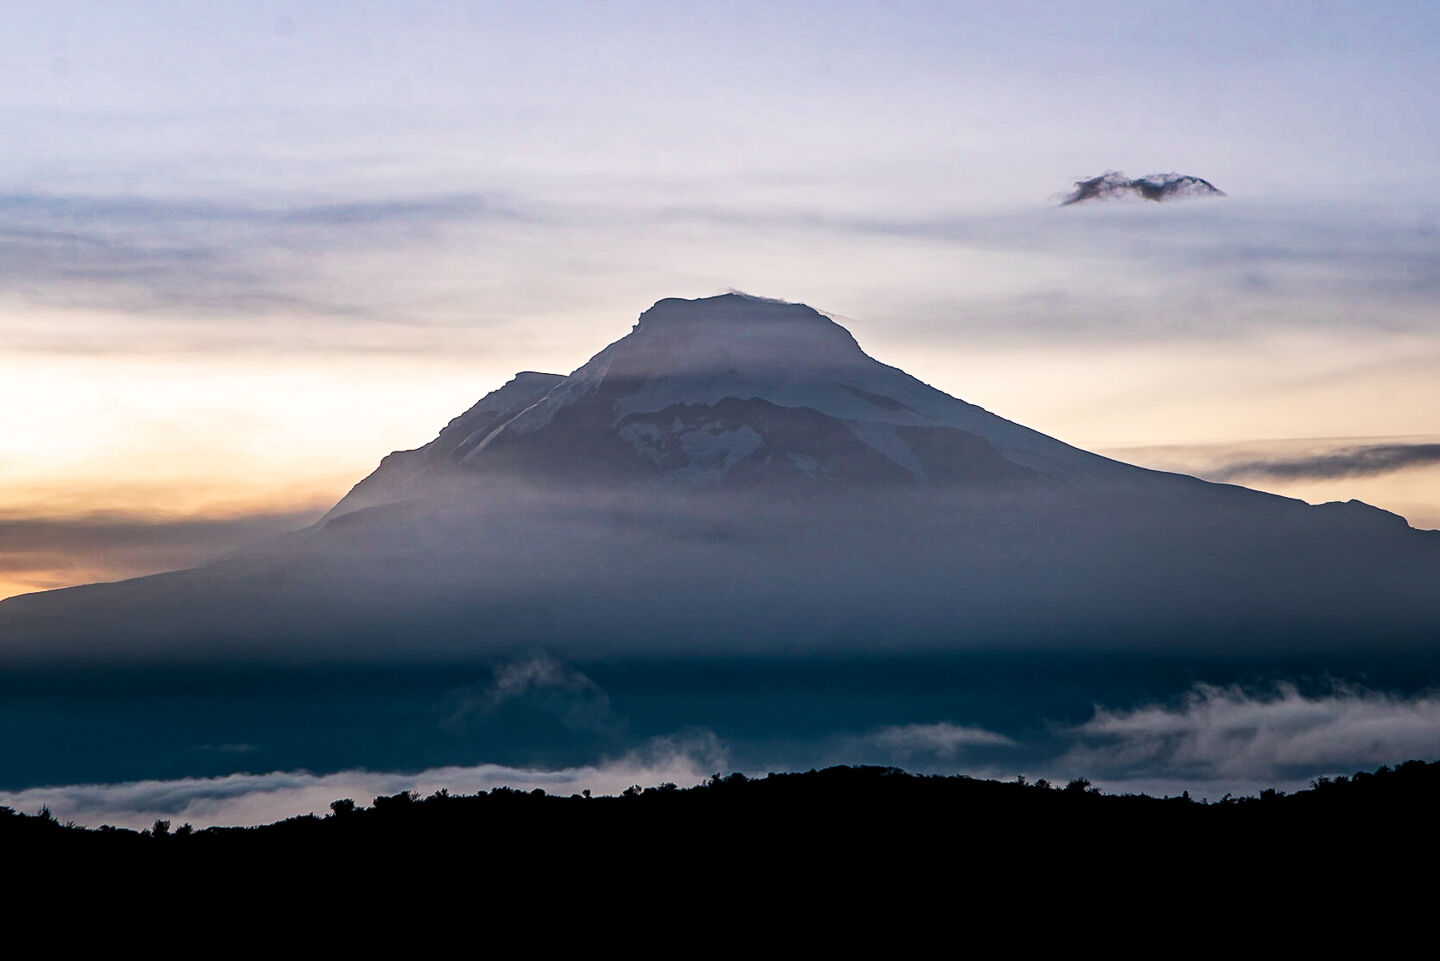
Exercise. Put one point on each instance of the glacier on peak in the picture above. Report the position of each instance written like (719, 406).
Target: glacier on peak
(785, 391)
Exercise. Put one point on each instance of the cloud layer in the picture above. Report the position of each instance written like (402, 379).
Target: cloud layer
(241, 799)
(1211, 740)
(220, 259)
(1238, 736)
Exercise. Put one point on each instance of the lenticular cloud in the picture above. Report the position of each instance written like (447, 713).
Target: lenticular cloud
(1113, 185)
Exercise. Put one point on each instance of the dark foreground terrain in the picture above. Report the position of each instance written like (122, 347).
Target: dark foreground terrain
(840, 862)
(860, 820)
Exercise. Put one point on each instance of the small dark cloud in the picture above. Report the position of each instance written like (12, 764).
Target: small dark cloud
(1113, 184)
(1363, 461)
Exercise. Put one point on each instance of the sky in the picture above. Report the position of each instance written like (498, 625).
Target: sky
(248, 249)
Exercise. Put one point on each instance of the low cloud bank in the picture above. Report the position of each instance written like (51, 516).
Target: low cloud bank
(1210, 741)
(1238, 738)
(245, 799)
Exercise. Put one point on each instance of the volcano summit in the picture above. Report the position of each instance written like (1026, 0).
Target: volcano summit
(731, 392)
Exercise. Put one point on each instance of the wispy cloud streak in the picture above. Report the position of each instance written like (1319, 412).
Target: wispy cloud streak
(224, 259)
(1231, 732)
(941, 740)
(1359, 461)
(539, 681)
(38, 553)
(450, 257)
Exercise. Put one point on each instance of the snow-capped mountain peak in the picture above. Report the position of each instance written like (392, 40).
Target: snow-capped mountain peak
(731, 390)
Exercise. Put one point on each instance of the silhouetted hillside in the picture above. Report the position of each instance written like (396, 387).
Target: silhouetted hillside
(867, 822)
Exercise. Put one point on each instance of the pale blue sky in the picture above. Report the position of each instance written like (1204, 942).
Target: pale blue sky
(969, 101)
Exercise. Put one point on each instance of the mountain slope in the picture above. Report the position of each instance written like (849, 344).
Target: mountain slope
(737, 476)
(414, 473)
